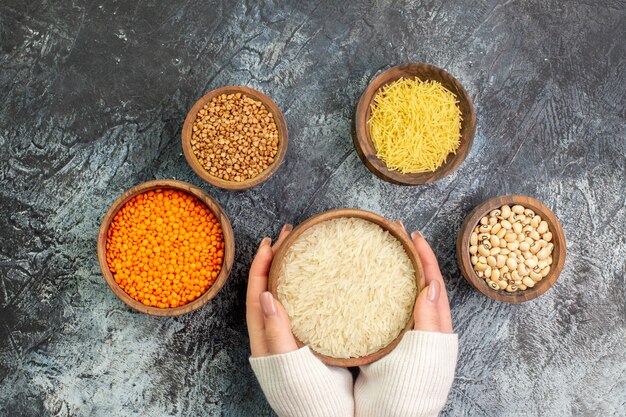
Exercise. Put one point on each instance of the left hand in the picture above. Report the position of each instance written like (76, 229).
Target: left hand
(268, 324)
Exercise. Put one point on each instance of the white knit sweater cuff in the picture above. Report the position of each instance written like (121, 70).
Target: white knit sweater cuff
(297, 384)
(413, 380)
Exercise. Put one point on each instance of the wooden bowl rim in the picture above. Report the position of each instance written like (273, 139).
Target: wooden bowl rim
(281, 125)
(559, 252)
(361, 135)
(229, 247)
(396, 231)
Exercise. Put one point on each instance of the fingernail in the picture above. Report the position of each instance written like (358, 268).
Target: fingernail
(267, 304)
(287, 228)
(402, 225)
(433, 291)
(265, 242)
(416, 234)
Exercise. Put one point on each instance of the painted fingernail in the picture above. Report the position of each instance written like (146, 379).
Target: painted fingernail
(287, 228)
(416, 234)
(265, 242)
(433, 291)
(267, 304)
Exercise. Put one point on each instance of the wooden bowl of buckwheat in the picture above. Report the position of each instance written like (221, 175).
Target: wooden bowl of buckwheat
(234, 137)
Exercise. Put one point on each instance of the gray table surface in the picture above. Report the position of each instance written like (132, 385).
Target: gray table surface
(94, 95)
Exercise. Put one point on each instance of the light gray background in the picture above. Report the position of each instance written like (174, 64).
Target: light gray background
(94, 95)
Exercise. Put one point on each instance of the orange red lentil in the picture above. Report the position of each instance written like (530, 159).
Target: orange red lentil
(165, 248)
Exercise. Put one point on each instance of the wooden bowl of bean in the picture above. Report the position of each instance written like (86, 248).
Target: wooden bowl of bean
(362, 135)
(234, 137)
(165, 248)
(511, 248)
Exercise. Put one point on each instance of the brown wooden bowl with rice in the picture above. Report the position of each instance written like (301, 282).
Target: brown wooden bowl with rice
(328, 274)
(362, 135)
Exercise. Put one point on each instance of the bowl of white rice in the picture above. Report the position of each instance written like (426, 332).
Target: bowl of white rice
(348, 280)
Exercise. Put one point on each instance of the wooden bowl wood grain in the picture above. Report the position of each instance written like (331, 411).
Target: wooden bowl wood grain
(229, 247)
(251, 182)
(385, 224)
(363, 142)
(558, 253)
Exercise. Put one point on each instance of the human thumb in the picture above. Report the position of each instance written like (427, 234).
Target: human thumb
(426, 315)
(277, 327)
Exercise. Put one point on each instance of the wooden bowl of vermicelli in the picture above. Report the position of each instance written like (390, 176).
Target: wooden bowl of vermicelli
(409, 142)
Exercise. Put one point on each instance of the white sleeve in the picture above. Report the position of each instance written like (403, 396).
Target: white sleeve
(412, 381)
(298, 384)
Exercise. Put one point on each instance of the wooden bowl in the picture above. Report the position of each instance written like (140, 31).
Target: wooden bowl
(229, 247)
(251, 182)
(393, 229)
(463, 243)
(363, 142)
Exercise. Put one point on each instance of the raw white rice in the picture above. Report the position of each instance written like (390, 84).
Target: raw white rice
(348, 287)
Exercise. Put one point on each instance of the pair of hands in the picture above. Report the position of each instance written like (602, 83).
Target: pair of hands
(268, 324)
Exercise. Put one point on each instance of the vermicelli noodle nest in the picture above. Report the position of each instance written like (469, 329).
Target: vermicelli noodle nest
(348, 287)
(415, 125)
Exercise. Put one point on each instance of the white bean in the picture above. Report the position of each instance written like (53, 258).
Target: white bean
(531, 263)
(522, 287)
(474, 239)
(502, 284)
(493, 285)
(506, 211)
(488, 272)
(494, 251)
(474, 260)
(480, 274)
(535, 221)
(482, 260)
(483, 251)
(545, 271)
(512, 264)
(480, 267)
(500, 261)
(510, 237)
(528, 282)
(506, 224)
(517, 209)
(528, 255)
(547, 236)
(495, 228)
(495, 213)
(521, 269)
(495, 241)
(495, 274)
(534, 235)
(473, 250)
(529, 213)
(542, 263)
(491, 261)
(543, 253)
(501, 232)
(484, 220)
(492, 221)
(543, 227)
(512, 245)
(524, 246)
(535, 276)
(534, 248)
(505, 251)
(517, 227)
(511, 288)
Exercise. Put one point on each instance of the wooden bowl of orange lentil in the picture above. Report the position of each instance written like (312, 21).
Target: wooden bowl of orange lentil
(165, 248)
